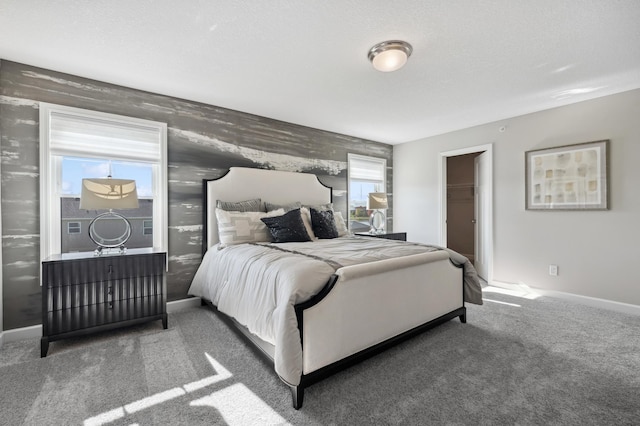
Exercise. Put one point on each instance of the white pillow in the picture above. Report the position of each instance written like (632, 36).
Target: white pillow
(340, 224)
(243, 227)
(306, 219)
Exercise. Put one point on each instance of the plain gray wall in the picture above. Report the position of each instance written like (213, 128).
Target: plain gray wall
(597, 251)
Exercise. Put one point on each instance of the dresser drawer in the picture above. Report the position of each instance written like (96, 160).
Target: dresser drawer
(98, 269)
(123, 267)
(94, 293)
(88, 316)
(56, 274)
(71, 296)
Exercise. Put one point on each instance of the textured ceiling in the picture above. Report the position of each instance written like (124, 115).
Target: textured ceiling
(305, 62)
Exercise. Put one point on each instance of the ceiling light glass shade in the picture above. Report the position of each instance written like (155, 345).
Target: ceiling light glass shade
(390, 55)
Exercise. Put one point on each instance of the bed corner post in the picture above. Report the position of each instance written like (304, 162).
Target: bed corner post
(205, 201)
(297, 395)
(463, 315)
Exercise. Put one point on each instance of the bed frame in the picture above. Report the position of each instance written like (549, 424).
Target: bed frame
(361, 311)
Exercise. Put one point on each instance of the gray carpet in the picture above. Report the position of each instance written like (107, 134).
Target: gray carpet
(545, 361)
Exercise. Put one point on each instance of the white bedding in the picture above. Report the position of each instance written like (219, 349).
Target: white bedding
(289, 274)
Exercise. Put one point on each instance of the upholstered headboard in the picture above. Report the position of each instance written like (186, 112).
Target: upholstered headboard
(272, 186)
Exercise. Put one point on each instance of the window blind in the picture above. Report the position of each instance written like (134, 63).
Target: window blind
(363, 169)
(73, 134)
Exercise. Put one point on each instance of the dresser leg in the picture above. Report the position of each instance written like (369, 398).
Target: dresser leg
(165, 320)
(44, 346)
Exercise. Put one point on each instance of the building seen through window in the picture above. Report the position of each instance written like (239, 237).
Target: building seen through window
(75, 222)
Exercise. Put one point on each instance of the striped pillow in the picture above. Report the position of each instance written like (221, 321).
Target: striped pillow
(287, 207)
(243, 227)
(254, 205)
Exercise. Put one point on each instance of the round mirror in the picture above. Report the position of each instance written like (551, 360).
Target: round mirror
(110, 230)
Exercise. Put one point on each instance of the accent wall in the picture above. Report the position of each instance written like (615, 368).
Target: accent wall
(203, 142)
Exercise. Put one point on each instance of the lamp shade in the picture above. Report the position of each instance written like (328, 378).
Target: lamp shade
(377, 200)
(99, 194)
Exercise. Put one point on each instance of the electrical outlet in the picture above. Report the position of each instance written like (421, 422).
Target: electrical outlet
(553, 270)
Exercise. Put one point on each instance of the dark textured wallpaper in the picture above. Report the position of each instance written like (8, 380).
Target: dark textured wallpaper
(203, 142)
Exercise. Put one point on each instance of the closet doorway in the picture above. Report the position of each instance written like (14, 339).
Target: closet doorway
(461, 204)
(466, 214)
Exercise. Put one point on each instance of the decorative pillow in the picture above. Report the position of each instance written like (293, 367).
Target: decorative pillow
(287, 207)
(306, 219)
(324, 225)
(341, 225)
(254, 205)
(287, 228)
(322, 207)
(242, 227)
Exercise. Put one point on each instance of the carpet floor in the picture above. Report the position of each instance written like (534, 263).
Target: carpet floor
(517, 361)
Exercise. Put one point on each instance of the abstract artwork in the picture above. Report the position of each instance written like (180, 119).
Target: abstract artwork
(571, 177)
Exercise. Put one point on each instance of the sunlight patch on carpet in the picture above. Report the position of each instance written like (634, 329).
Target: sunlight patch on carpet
(161, 397)
(521, 290)
(239, 406)
(502, 303)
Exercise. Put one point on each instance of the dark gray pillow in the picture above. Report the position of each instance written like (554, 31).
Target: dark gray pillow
(323, 224)
(287, 228)
(321, 207)
(287, 207)
(254, 205)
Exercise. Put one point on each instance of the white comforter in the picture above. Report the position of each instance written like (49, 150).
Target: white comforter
(259, 284)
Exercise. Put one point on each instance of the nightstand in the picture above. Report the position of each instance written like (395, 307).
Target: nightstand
(401, 236)
(83, 293)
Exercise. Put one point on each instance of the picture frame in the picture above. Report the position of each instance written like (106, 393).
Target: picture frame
(569, 177)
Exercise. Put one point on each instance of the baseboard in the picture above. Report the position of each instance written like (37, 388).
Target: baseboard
(595, 302)
(612, 305)
(177, 305)
(31, 332)
(35, 331)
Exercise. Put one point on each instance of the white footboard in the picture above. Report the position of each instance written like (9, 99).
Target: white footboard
(373, 302)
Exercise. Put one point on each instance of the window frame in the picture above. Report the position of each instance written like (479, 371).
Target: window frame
(350, 157)
(51, 175)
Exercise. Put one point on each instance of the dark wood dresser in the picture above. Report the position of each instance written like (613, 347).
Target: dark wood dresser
(401, 236)
(83, 294)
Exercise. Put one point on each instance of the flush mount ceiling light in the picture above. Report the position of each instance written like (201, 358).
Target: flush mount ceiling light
(390, 55)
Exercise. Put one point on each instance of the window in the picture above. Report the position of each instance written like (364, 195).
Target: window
(74, 169)
(365, 175)
(147, 227)
(77, 144)
(74, 228)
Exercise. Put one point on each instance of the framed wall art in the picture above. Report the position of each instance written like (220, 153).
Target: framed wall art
(570, 177)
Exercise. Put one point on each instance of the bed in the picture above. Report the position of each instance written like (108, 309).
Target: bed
(314, 308)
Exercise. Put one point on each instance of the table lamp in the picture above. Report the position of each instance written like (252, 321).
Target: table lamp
(377, 203)
(100, 194)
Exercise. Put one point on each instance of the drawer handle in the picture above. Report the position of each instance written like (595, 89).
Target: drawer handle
(110, 269)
